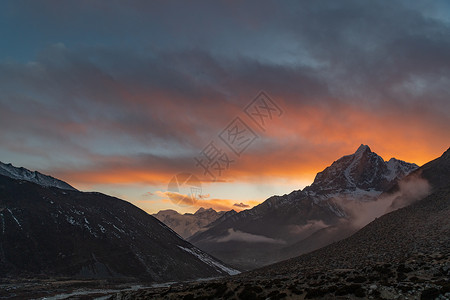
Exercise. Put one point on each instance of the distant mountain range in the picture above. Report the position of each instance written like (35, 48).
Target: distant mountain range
(188, 224)
(304, 220)
(48, 228)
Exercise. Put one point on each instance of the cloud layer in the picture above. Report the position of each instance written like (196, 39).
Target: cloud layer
(240, 236)
(136, 91)
(410, 189)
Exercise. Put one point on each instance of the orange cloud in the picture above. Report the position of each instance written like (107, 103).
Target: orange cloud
(305, 140)
(119, 176)
(217, 204)
(302, 146)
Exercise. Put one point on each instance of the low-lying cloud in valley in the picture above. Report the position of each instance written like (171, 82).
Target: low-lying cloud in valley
(240, 236)
(410, 189)
(310, 227)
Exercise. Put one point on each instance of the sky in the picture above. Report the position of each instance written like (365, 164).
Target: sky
(229, 101)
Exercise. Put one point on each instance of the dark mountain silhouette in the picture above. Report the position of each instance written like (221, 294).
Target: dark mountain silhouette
(33, 176)
(56, 232)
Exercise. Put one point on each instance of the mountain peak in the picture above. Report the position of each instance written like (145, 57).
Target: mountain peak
(363, 170)
(167, 212)
(363, 148)
(202, 209)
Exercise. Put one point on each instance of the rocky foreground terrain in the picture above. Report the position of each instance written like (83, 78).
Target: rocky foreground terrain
(424, 276)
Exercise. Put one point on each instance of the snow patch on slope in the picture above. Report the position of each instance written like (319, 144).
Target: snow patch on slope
(3, 223)
(209, 260)
(15, 219)
(398, 168)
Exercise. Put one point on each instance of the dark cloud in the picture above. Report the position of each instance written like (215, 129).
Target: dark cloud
(241, 205)
(146, 86)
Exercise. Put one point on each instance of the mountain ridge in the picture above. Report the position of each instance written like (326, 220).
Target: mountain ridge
(33, 176)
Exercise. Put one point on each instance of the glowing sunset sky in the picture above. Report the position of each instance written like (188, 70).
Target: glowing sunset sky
(119, 97)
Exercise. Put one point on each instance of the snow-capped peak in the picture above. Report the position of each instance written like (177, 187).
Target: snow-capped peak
(398, 168)
(33, 176)
(362, 170)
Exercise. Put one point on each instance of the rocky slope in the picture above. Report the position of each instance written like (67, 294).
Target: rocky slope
(56, 232)
(188, 224)
(305, 220)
